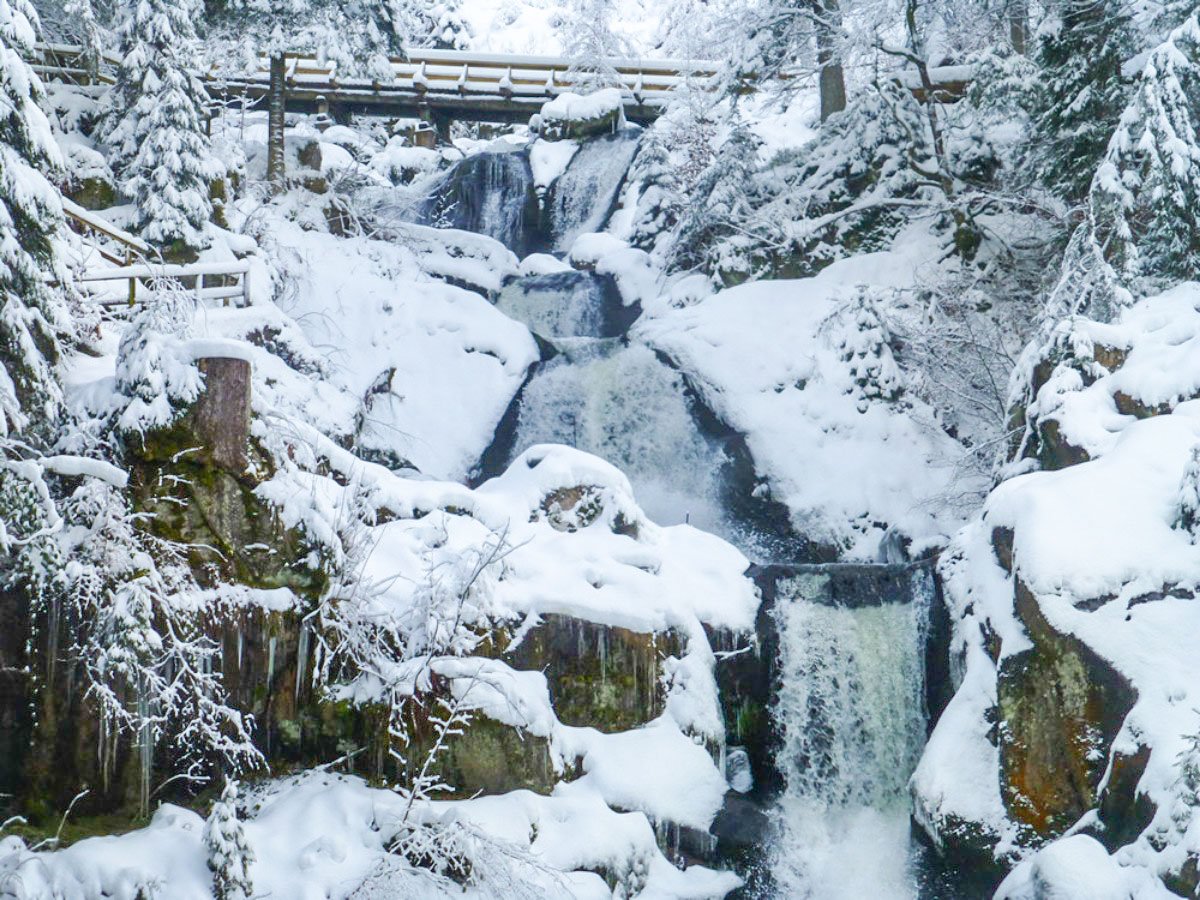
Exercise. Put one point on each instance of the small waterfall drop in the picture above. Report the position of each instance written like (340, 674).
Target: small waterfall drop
(623, 404)
(583, 197)
(491, 193)
(851, 713)
(567, 304)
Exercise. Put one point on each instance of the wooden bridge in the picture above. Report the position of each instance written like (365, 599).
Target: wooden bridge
(435, 85)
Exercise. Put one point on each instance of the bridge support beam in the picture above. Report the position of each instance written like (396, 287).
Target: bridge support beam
(441, 122)
(276, 108)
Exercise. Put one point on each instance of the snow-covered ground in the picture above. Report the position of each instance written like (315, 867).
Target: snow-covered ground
(769, 359)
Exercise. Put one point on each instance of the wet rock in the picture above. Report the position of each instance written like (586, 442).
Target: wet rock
(1124, 811)
(599, 676)
(93, 192)
(196, 479)
(1061, 706)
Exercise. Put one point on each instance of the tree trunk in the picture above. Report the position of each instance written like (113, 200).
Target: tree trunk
(1018, 25)
(276, 170)
(832, 80)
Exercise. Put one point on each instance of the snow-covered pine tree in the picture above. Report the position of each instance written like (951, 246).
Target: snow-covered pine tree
(589, 41)
(1081, 91)
(1145, 197)
(441, 25)
(91, 36)
(1189, 512)
(865, 347)
(715, 230)
(1141, 230)
(229, 854)
(155, 124)
(31, 312)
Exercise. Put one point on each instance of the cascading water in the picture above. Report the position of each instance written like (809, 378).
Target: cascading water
(567, 304)
(850, 671)
(583, 197)
(490, 193)
(622, 404)
(851, 713)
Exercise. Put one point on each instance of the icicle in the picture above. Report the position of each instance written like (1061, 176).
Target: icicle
(270, 658)
(301, 658)
(145, 747)
(240, 645)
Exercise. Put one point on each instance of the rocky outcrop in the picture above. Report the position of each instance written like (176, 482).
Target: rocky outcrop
(196, 479)
(1060, 707)
(574, 117)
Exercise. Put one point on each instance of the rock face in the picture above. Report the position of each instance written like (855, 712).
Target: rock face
(599, 676)
(1061, 706)
(197, 478)
(489, 193)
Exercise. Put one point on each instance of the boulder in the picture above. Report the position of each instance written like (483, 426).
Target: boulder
(576, 117)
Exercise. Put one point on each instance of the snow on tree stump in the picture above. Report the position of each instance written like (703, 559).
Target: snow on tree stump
(221, 417)
(575, 117)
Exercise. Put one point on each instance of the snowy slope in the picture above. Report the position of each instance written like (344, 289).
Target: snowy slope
(765, 356)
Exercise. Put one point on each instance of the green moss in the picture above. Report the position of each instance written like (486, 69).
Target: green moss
(76, 828)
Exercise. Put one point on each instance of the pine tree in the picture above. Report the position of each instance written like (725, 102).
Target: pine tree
(714, 231)
(155, 124)
(1081, 90)
(1189, 503)
(30, 212)
(91, 35)
(866, 348)
(442, 26)
(229, 855)
(1145, 196)
(1141, 230)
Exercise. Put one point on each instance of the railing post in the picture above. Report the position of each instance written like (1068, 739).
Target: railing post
(132, 281)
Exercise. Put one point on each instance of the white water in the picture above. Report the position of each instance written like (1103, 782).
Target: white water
(566, 304)
(582, 197)
(851, 710)
(489, 193)
(622, 404)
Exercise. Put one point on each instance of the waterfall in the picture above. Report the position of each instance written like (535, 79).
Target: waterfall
(490, 193)
(583, 197)
(624, 405)
(567, 304)
(850, 710)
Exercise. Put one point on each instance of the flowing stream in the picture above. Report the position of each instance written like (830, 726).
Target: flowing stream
(850, 703)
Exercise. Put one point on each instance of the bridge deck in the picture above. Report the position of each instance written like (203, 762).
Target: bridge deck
(456, 84)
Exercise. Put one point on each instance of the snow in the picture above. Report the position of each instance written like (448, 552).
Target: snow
(570, 107)
(765, 358)
(443, 363)
(1099, 546)
(1074, 868)
(549, 159)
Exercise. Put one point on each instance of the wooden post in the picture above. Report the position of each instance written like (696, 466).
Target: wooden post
(276, 107)
(132, 281)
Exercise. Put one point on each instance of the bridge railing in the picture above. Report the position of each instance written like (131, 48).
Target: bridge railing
(133, 260)
(437, 71)
(446, 72)
(233, 281)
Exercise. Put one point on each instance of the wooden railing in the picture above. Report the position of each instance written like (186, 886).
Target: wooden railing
(133, 260)
(196, 273)
(438, 72)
